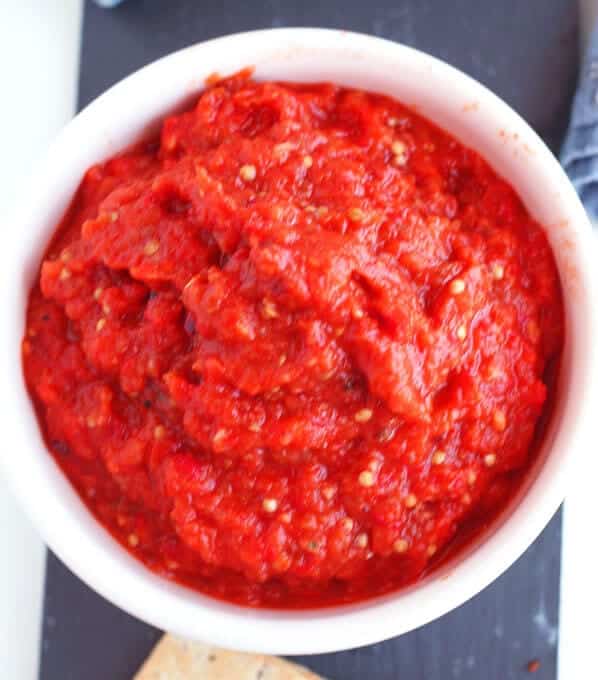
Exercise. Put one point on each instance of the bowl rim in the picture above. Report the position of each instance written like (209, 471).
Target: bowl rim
(90, 552)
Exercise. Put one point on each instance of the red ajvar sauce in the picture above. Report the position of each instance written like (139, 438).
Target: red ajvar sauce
(290, 349)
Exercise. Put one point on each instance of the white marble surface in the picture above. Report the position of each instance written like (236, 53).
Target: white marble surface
(39, 48)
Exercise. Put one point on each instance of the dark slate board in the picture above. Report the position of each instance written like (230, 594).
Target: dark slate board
(527, 53)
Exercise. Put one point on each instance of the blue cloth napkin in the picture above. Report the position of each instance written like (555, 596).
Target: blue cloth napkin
(108, 3)
(579, 154)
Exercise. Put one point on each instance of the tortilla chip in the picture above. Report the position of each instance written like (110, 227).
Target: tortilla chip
(176, 659)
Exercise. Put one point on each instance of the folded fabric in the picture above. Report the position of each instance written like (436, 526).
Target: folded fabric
(579, 154)
(108, 3)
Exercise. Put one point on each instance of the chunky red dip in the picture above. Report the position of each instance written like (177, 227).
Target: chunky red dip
(291, 349)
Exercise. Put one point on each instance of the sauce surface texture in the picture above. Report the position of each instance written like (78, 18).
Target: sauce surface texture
(291, 349)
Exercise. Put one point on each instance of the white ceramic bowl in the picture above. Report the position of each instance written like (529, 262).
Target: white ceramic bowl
(444, 95)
